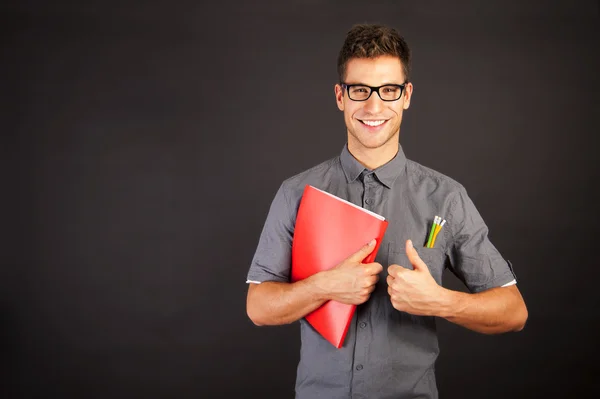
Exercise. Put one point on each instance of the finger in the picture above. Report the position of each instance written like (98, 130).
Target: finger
(395, 270)
(414, 258)
(390, 281)
(378, 267)
(372, 269)
(362, 253)
(394, 284)
(371, 281)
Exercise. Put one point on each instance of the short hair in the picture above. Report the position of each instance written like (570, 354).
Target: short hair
(371, 41)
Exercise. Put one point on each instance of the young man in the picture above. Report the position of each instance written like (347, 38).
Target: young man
(391, 346)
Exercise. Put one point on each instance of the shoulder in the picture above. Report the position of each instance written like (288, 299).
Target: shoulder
(430, 180)
(293, 187)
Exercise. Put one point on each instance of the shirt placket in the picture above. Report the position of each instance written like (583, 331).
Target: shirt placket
(371, 201)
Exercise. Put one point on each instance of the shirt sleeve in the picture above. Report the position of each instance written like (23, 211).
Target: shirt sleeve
(273, 257)
(473, 258)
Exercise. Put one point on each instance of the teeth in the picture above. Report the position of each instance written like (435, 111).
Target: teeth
(373, 123)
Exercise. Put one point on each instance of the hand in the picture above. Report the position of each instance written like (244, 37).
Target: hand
(414, 291)
(352, 282)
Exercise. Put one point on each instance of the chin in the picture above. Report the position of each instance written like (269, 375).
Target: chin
(374, 142)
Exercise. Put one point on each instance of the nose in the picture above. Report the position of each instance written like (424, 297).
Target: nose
(374, 104)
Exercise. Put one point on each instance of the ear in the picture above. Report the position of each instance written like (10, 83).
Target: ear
(339, 96)
(408, 90)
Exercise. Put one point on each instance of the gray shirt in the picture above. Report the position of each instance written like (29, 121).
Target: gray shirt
(386, 353)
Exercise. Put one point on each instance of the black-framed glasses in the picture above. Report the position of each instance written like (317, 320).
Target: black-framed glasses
(360, 92)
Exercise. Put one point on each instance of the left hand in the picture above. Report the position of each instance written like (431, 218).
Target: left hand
(414, 291)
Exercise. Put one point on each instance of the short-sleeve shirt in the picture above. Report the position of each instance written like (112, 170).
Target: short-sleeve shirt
(386, 353)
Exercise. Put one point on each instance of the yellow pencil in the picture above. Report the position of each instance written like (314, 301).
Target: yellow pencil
(437, 230)
(436, 220)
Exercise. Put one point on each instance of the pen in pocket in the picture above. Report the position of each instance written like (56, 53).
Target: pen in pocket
(437, 225)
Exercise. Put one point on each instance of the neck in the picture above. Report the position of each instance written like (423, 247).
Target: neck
(372, 158)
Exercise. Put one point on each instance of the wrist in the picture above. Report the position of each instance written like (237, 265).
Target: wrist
(318, 286)
(451, 303)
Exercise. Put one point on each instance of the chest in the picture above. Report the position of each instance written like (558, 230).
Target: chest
(410, 214)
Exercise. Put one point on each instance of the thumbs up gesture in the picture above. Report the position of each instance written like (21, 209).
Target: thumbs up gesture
(414, 291)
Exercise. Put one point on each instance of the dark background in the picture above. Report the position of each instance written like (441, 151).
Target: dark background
(142, 145)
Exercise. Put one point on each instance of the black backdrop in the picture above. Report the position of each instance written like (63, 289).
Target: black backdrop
(144, 142)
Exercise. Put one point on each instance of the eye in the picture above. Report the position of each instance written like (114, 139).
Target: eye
(360, 90)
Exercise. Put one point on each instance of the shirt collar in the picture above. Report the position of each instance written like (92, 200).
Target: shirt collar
(386, 174)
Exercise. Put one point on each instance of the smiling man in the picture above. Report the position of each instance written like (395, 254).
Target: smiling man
(391, 346)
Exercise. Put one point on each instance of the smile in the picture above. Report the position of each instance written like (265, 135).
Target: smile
(374, 123)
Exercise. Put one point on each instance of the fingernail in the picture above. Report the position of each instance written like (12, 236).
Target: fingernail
(371, 243)
(410, 243)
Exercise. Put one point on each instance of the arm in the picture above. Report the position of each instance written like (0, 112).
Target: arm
(475, 260)
(274, 303)
(493, 311)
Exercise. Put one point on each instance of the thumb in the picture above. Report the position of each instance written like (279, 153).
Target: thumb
(363, 252)
(414, 258)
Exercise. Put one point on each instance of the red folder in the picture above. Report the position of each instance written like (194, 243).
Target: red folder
(328, 230)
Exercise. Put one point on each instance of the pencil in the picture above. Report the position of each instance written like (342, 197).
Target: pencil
(437, 230)
(431, 232)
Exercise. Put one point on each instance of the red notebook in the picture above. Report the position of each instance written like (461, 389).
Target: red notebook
(328, 230)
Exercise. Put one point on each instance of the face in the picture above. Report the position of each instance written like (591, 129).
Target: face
(374, 123)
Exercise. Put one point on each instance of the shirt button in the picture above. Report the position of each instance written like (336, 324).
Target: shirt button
(359, 367)
(368, 201)
(362, 324)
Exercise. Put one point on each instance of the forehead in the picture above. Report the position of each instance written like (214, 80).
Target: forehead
(375, 71)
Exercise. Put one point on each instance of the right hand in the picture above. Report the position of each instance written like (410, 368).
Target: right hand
(352, 281)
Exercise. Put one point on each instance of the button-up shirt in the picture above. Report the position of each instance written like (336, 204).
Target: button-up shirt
(386, 353)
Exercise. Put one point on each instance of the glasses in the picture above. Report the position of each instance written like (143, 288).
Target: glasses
(389, 92)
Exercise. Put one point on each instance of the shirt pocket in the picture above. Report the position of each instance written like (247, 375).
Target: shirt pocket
(434, 258)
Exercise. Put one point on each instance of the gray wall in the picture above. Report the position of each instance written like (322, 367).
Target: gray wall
(143, 145)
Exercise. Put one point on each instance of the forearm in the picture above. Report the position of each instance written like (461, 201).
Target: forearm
(493, 311)
(274, 303)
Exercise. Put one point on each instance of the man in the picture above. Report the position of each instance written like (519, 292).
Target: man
(391, 346)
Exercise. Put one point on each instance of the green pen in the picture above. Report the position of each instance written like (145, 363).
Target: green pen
(435, 221)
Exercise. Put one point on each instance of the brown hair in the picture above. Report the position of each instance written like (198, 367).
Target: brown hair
(371, 41)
